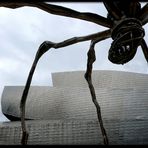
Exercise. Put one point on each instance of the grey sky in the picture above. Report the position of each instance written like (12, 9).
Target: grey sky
(22, 31)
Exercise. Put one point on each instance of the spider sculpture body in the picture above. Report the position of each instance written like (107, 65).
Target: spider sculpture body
(127, 33)
(124, 20)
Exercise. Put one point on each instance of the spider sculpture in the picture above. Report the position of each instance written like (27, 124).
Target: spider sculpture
(124, 20)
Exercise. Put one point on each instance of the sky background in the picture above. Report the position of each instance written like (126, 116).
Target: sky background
(22, 30)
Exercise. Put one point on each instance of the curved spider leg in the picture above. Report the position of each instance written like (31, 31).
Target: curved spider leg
(25, 134)
(44, 47)
(63, 11)
(143, 15)
(144, 49)
(91, 59)
(14, 5)
(112, 9)
(135, 5)
(91, 17)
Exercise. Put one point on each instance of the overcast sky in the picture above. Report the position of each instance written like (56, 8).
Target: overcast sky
(22, 30)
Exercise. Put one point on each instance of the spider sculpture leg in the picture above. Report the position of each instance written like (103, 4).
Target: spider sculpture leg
(44, 47)
(112, 9)
(144, 49)
(143, 15)
(62, 11)
(135, 5)
(91, 59)
(117, 10)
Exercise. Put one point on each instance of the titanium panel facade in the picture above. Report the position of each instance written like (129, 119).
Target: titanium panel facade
(65, 113)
